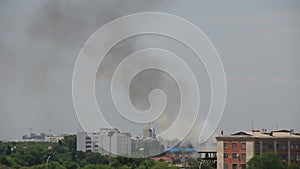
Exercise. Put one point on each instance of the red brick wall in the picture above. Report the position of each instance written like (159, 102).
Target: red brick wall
(230, 160)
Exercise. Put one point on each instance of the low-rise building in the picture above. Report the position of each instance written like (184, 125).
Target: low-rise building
(34, 137)
(43, 137)
(234, 150)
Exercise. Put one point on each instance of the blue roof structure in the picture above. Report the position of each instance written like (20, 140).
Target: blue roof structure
(175, 150)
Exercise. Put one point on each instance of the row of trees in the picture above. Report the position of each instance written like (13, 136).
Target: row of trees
(269, 160)
(63, 155)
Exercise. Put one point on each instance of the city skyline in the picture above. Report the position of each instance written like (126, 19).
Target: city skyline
(257, 43)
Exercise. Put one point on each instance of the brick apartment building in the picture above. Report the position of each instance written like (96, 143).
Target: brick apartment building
(233, 151)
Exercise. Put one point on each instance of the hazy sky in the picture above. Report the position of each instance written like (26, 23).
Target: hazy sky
(258, 42)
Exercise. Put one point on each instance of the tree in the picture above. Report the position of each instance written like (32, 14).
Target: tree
(268, 160)
(119, 161)
(70, 142)
(3, 160)
(52, 165)
(294, 166)
(125, 167)
(92, 166)
(162, 165)
(255, 163)
(146, 164)
(195, 164)
(71, 165)
(8, 150)
(95, 158)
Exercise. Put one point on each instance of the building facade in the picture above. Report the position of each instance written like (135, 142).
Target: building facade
(234, 151)
(34, 137)
(43, 137)
(107, 141)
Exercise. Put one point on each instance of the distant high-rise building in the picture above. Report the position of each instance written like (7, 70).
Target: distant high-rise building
(149, 132)
(108, 141)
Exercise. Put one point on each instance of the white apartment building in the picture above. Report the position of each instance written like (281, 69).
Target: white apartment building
(108, 141)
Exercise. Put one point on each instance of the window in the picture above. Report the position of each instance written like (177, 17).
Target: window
(225, 166)
(257, 146)
(268, 146)
(243, 146)
(243, 156)
(243, 166)
(234, 166)
(234, 145)
(225, 145)
(293, 146)
(281, 146)
(293, 157)
(284, 157)
(225, 155)
(298, 157)
(235, 155)
(284, 146)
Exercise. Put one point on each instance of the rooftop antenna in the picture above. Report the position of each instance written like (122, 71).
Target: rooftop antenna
(252, 123)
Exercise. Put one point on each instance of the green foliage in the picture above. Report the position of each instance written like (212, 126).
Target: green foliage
(195, 164)
(52, 165)
(147, 164)
(70, 165)
(4, 161)
(70, 142)
(162, 165)
(63, 155)
(8, 150)
(125, 167)
(119, 162)
(93, 166)
(294, 166)
(268, 160)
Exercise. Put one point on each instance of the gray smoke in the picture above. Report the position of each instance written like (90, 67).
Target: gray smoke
(39, 43)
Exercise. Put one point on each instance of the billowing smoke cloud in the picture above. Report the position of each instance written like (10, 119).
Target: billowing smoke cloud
(148, 80)
(39, 43)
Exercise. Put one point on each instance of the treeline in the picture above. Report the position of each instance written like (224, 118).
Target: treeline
(63, 155)
(269, 160)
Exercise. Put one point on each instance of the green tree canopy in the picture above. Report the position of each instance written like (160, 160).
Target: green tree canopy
(267, 160)
(195, 164)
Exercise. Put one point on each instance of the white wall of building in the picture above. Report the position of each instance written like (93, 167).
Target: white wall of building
(115, 143)
(81, 140)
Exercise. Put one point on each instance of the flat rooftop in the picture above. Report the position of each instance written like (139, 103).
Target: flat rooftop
(256, 134)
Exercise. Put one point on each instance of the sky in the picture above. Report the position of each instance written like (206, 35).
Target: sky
(258, 43)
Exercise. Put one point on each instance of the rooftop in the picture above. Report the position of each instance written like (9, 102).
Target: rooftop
(256, 134)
